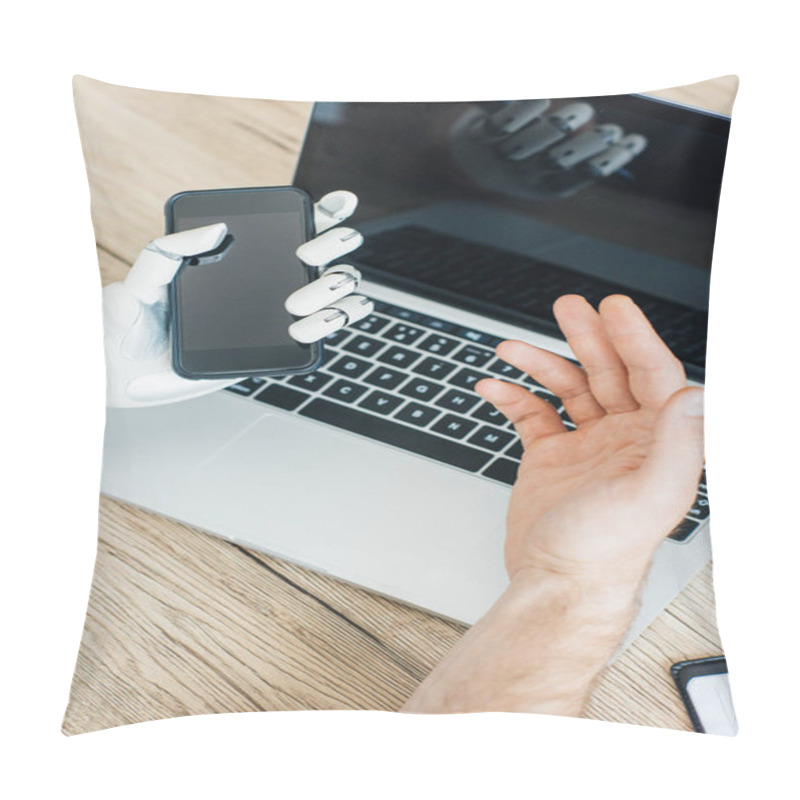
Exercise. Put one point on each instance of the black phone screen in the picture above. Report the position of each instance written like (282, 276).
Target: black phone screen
(228, 316)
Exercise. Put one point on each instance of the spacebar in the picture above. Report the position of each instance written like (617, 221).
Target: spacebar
(382, 430)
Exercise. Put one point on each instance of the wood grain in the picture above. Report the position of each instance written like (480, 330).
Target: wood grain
(142, 147)
(180, 622)
(716, 95)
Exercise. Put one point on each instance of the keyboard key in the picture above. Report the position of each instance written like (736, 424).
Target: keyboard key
(488, 413)
(473, 355)
(434, 368)
(438, 324)
(532, 381)
(501, 470)
(456, 400)
(246, 387)
(381, 402)
(516, 450)
(312, 381)
(349, 366)
(385, 378)
(403, 334)
(440, 345)
(282, 396)
(684, 530)
(491, 438)
(505, 370)
(398, 357)
(364, 345)
(551, 398)
(466, 378)
(420, 389)
(700, 510)
(389, 432)
(417, 414)
(330, 354)
(401, 313)
(479, 336)
(371, 324)
(455, 427)
(345, 392)
(337, 337)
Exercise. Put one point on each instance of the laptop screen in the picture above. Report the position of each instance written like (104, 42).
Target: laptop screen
(500, 208)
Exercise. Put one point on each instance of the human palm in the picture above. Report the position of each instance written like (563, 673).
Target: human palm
(601, 498)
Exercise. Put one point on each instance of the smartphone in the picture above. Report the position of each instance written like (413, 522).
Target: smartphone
(227, 317)
(706, 693)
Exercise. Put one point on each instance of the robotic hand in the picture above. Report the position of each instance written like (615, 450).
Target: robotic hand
(529, 150)
(136, 310)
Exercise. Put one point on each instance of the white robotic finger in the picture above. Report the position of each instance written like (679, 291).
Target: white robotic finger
(191, 242)
(585, 145)
(333, 208)
(514, 116)
(329, 246)
(545, 131)
(157, 264)
(331, 318)
(165, 386)
(571, 117)
(336, 282)
(618, 155)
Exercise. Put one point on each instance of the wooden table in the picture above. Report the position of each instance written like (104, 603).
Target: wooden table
(180, 622)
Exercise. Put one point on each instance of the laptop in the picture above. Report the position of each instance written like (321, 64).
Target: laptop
(384, 468)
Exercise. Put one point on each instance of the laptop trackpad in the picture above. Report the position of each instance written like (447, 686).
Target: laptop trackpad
(372, 515)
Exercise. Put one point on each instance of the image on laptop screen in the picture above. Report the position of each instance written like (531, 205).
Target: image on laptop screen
(456, 209)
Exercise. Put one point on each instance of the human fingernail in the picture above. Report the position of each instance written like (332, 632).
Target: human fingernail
(694, 404)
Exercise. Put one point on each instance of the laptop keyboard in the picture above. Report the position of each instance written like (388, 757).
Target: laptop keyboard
(407, 380)
(519, 283)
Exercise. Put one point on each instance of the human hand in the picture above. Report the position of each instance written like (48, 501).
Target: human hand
(595, 503)
(136, 310)
(532, 150)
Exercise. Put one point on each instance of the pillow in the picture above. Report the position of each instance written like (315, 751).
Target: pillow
(338, 539)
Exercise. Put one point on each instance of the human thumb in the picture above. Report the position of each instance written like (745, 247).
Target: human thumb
(672, 468)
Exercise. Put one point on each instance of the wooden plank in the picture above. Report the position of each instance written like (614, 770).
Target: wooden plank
(715, 95)
(141, 147)
(180, 622)
(638, 686)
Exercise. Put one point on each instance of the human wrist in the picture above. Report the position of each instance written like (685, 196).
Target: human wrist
(538, 649)
(590, 590)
